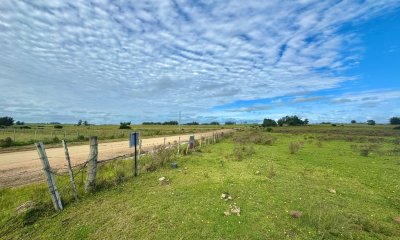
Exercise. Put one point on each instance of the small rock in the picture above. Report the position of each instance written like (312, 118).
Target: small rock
(258, 172)
(226, 196)
(397, 219)
(163, 181)
(235, 210)
(227, 213)
(331, 190)
(296, 214)
(25, 207)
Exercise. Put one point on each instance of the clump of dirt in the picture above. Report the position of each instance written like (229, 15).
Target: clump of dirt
(295, 214)
(163, 181)
(397, 219)
(226, 196)
(331, 190)
(233, 209)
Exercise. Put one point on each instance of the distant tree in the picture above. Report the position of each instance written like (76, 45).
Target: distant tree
(6, 121)
(170, 123)
(19, 123)
(269, 123)
(151, 123)
(230, 123)
(58, 126)
(395, 120)
(292, 121)
(79, 122)
(55, 123)
(125, 125)
(371, 122)
(214, 123)
(85, 123)
(353, 121)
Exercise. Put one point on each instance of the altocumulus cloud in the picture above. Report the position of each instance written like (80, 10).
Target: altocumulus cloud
(108, 61)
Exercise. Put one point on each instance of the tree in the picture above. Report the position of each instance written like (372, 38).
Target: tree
(371, 122)
(19, 123)
(353, 121)
(395, 120)
(170, 123)
(79, 122)
(85, 123)
(6, 121)
(192, 123)
(269, 123)
(292, 121)
(230, 123)
(125, 125)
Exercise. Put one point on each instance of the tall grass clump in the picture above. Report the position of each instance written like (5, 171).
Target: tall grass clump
(159, 157)
(294, 147)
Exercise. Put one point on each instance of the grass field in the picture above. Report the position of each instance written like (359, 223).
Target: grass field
(344, 184)
(28, 134)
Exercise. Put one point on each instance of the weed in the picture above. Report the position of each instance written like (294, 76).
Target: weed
(240, 152)
(294, 147)
(7, 142)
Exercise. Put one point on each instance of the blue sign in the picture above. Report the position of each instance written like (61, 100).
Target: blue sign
(134, 139)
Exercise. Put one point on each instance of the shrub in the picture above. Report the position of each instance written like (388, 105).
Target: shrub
(269, 123)
(7, 142)
(6, 121)
(395, 120)
(292, 121)
(125, 125)
(160, 157)
(371, 122)
(25, 127)
(294, 147)
(397, 128)
(58, 126)
(333, 125)
(353, 121)
(269, 129)
(240, 152)
(80, 138)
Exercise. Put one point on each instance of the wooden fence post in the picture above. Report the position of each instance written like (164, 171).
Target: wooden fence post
(14, 135)
(55, 196)
(71, 173)
(200, 140)
(179, 143)
(92, 165)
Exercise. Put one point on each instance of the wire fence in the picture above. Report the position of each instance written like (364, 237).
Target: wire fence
(114, 165)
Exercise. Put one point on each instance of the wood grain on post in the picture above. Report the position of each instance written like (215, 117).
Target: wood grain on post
(51, 182)
(92, 165)
(71, 173)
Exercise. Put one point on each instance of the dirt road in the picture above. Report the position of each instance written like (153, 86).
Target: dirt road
(18, 168)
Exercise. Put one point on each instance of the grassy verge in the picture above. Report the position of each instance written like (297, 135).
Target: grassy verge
(337, 191)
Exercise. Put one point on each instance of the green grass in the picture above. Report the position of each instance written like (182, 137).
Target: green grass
(190, 207)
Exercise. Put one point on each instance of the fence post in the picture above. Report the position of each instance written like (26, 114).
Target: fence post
(164, 141)
(55, 196)
(92, 165)
(179, 143)
(14, 135)
(200, 140)
(71, 173)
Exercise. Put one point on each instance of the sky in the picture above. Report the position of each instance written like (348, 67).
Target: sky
(111, 61)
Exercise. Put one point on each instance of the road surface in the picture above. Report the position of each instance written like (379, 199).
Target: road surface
(18, 168)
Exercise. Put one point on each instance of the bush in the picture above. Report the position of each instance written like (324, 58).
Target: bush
(125, 125)
(371, 122)
(395, 120)
(25, 127)
(294, 147)
(269, 123)
(333, 125)
(80, 138)
(240, 152)
(269, 129)
(7, 142)
(6, 121)
(397, 128)
(353, 121)
(292, 121)
(160, 157)
(58, 126)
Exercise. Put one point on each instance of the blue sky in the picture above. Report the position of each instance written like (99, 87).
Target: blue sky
(111, 61)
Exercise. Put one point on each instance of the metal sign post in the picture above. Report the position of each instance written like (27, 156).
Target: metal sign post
(134, 140)
(191, 142)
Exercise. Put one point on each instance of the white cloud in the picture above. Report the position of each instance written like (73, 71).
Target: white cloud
(145, 59)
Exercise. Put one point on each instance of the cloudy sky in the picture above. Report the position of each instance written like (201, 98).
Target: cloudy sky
(111, 61)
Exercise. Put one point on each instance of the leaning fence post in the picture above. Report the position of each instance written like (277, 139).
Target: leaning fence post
(179, 143)
(71, 173)
(55, 196)
(92, 165)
